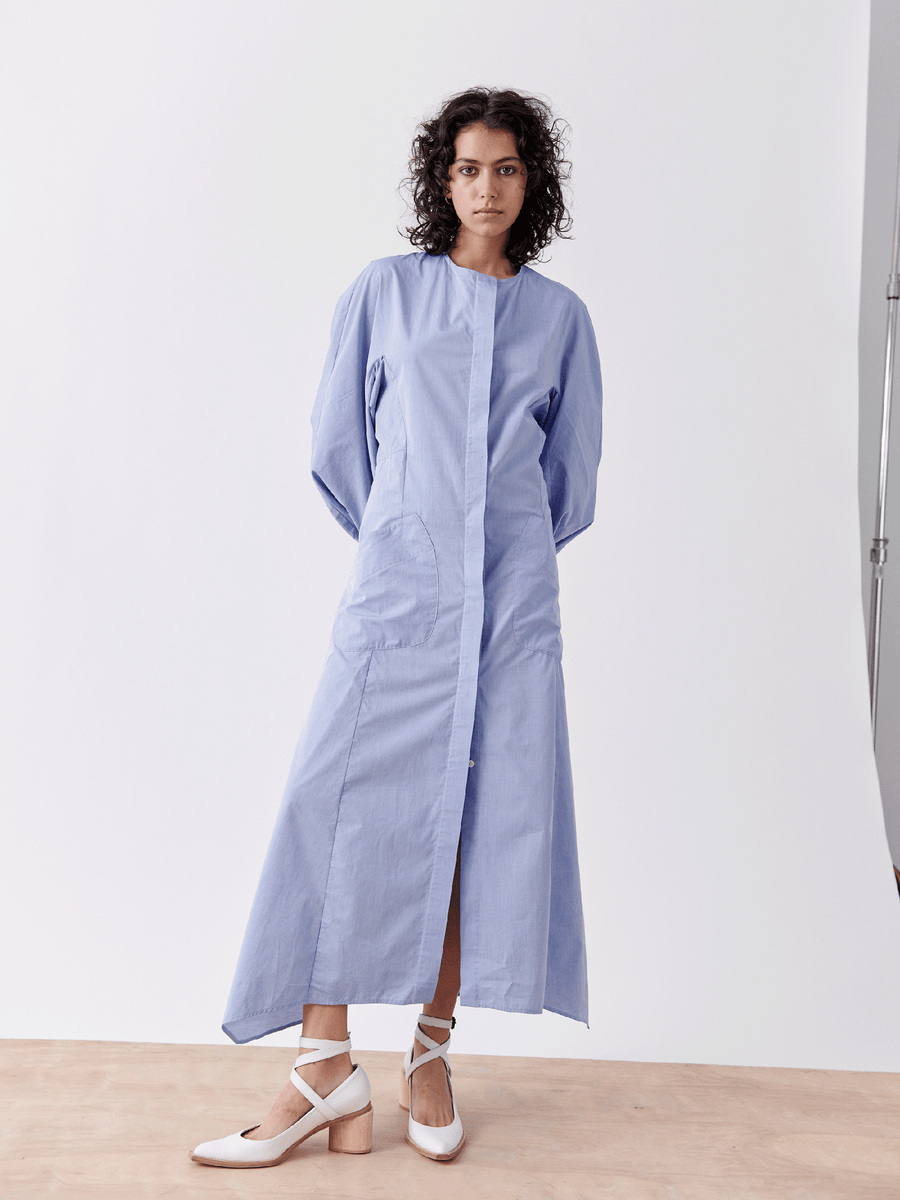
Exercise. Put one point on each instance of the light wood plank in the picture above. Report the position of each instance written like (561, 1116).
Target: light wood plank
(97, 1120)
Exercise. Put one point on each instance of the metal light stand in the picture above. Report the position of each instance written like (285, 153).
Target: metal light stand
(878, 554)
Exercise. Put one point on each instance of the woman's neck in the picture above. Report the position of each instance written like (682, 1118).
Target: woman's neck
(483, 255)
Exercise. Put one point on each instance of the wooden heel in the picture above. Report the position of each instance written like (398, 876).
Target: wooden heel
(404, 1091)
(352, 1135)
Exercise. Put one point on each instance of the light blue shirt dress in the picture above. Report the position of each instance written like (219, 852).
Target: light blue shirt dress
(457, 436)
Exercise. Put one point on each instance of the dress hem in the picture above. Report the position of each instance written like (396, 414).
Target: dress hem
(234, 1029)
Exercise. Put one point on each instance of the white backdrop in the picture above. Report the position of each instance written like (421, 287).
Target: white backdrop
(188, 188)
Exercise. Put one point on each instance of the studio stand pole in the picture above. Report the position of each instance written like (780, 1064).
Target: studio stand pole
(878, 554)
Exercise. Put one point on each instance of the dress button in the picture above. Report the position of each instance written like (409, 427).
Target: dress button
(471, 763)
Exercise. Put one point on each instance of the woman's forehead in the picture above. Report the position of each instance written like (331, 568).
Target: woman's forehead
(479, 142)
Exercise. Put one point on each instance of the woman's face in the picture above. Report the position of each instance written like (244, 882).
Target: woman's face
(487, 180)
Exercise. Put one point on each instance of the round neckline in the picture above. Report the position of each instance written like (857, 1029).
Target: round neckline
(483, 274)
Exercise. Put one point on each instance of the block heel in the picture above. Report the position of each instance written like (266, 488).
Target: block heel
(352, 1135)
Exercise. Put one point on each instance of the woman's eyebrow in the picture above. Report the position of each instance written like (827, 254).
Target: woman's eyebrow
(508, 158)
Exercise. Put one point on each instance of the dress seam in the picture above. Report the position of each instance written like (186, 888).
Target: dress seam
(337, 818)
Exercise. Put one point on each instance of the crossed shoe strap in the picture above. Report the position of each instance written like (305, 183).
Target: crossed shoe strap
(433, 1049)
(320, 1049)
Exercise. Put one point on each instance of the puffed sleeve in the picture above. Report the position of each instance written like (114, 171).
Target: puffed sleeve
(343, 446)
(571, 452)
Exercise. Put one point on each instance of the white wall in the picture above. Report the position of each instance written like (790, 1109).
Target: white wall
(190, 187)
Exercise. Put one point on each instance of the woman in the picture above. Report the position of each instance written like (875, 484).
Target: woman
(425, 848)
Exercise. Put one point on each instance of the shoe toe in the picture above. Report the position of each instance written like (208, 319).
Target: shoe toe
(234, 1148)
(442, 1141)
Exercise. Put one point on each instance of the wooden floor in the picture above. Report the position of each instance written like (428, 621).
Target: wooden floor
(115, 1119)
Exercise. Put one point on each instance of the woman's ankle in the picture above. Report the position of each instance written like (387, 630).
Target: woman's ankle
(435, 1033)
(339, 1067)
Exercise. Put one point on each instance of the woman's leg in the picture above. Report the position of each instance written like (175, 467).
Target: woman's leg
(430, 1094)
(326, 1021)
(431, 1103)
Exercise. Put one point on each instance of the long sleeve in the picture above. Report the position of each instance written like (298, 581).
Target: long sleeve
(343, 454)
(571, 451)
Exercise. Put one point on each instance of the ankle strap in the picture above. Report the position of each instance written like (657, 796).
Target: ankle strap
(437, 1022)
(433, 1049)
(320, 1049)
(329, 1049)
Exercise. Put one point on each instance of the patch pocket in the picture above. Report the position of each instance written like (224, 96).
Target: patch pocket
(391, 600)
(536, 620)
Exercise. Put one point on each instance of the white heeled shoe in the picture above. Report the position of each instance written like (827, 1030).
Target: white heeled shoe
(440, 1142)
(346, 1113)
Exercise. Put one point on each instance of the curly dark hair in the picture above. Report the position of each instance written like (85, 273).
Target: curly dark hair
(540, 138)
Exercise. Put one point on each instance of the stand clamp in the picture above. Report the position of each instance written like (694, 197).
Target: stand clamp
(878, 553)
